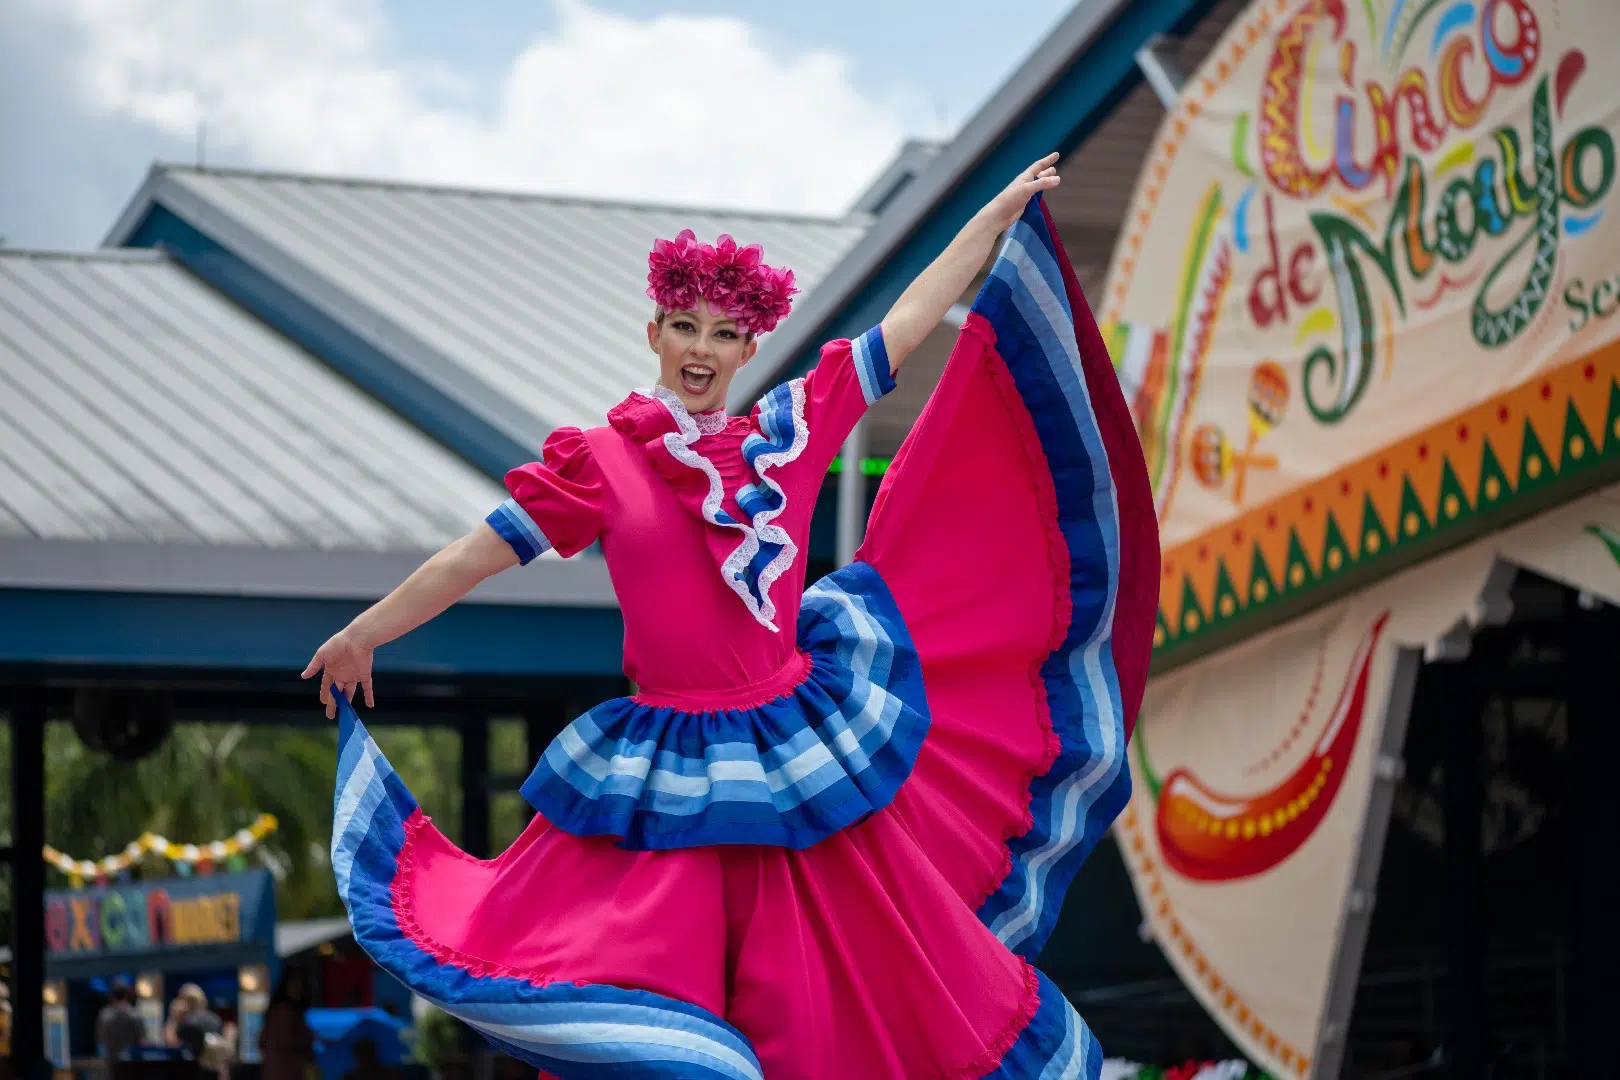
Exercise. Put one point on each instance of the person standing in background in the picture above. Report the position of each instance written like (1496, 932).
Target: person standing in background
(171, 1023)
(287, 1046)
(195, 1022)
(119, 1028)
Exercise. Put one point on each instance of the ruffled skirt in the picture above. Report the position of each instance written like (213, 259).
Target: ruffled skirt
(855, 884)
(829, 740)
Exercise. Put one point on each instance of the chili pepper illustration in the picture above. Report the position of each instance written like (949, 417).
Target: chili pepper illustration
(1209, 836)
(1610, 538)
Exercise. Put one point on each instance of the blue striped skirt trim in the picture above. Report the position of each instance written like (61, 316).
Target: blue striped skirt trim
(1054, 1045)
(1027, 303)
(568, 1029)
(787, 773)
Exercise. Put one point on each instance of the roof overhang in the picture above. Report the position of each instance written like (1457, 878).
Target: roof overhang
(209, 570)
(139, 205)
(1057, 97)
(87, 608)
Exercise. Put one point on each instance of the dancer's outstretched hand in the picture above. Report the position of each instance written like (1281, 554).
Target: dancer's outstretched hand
(345, 663)
(1008, 207)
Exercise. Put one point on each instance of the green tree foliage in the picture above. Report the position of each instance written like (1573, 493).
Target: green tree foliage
(208, 780)
(205, 782)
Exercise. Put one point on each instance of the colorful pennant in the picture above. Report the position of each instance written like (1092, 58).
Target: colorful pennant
(187, 858)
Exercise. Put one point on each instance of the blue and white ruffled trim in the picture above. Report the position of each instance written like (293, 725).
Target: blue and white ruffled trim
(787, 773)
(766, 550)
(569, 1029)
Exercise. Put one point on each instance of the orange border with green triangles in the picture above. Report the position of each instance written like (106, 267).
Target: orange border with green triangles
(1539, 435)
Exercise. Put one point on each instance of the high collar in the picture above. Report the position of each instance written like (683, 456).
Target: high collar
(651, 414)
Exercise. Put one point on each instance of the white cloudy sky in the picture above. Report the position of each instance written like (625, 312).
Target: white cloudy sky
(722, 102)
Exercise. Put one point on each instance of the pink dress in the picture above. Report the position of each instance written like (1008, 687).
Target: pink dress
(829, 833)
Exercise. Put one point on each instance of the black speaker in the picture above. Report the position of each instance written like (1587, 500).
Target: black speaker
(125, 723)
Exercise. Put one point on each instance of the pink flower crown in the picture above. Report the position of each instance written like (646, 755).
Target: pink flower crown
(734, 280)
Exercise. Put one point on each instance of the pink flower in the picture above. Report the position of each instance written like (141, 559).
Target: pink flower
(768, 301)
(677, 272)
(732, 278)
(731, 270)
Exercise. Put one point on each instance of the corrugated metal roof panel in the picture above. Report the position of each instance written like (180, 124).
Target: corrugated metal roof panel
(137, 404)
(542, 299)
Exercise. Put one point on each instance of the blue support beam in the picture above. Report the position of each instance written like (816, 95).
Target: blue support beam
(146, 630)
(372, 369)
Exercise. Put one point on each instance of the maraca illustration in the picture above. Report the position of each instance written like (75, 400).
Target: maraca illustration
(1213, 456)
(1268, 400)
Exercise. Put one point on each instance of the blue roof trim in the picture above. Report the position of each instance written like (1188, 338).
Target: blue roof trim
(182, 959)
(1071, 109)
(379, 374)
(50, 626)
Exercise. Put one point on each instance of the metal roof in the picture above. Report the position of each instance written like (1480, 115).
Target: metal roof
(914, 156)
(154, 437)
(294, 936)
(528, 310)
(136, 404)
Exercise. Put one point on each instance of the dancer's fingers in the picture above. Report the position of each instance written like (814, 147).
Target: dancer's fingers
(1046, 161)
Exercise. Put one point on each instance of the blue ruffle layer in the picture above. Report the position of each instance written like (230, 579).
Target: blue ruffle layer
(787, 773)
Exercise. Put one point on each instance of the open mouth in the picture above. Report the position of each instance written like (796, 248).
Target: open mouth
(696, 379)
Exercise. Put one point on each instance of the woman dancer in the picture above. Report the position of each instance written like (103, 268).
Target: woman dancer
(828, 833)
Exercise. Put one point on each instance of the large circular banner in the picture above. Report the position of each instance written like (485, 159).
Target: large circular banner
(1368, 290)
(1362, 218)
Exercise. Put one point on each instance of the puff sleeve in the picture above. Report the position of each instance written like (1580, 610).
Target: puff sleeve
(850, 377)
(556, 503)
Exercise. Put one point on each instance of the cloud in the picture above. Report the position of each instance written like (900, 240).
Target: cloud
(674, 108)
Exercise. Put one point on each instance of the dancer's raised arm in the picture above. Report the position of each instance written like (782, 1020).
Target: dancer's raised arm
(928, 298)
(345, 660)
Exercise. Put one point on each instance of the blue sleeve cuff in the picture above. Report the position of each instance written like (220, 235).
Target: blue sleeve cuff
(872, 365)
(516, 527)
